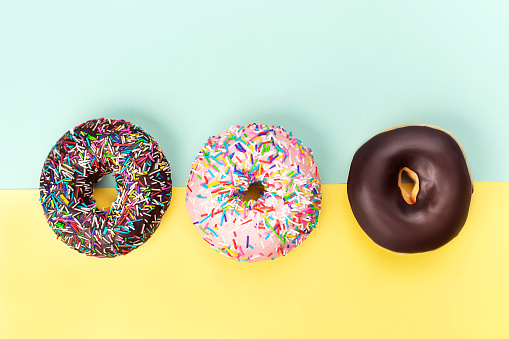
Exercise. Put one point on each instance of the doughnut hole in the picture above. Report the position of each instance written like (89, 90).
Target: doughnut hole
(104, 196)
(408, 183)
(254, 192)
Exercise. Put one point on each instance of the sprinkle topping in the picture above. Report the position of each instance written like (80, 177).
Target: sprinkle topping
(280, 219)
(79, 160)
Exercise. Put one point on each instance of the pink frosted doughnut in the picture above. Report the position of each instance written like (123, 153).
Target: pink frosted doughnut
(283, 216)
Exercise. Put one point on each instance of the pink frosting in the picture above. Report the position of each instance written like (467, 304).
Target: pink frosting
(280, 219)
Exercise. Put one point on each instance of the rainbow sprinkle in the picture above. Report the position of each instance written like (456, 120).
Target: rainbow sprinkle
(79, 160)
(280, 219)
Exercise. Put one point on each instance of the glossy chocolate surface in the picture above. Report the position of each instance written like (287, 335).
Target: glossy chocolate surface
(443, 200)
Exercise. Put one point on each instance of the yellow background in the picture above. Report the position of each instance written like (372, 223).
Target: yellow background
(337, 284)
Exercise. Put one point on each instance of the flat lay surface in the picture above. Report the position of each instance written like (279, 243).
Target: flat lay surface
(334, 74)
(338, 283)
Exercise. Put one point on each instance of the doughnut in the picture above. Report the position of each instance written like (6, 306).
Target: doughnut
(289, 205)
(80, 158)
(433, 212)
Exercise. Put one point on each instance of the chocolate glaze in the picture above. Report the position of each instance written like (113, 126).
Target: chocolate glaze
(442, 202)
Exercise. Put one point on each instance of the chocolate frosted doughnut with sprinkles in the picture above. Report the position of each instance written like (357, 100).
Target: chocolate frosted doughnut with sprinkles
(80, 158)
(287, 210)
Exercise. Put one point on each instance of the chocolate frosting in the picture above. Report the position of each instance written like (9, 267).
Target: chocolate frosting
(442, 202)
(80, 158)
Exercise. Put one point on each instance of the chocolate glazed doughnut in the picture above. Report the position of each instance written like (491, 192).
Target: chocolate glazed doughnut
(433, 212)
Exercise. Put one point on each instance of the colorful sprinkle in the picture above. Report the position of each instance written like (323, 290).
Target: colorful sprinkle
(280, 219)
(78, 161)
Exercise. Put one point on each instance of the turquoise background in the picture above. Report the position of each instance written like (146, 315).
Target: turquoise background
(335, 73)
